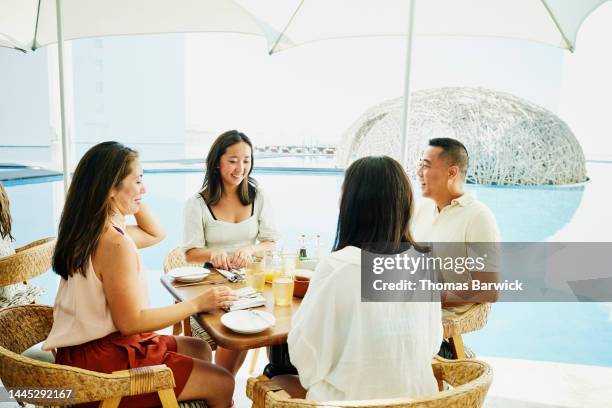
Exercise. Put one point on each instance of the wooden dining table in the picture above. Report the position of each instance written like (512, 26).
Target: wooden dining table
(275, 337)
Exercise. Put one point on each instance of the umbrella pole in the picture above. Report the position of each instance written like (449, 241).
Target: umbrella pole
(406, 110)
(60, 58)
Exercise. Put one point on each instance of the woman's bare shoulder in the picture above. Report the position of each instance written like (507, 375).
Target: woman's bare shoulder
(112, 236)
(113, 247)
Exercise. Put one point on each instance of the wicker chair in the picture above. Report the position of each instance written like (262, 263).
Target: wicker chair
(473, 319)
(27, 262)
(190, 326)
(26, 325)
(470, 380)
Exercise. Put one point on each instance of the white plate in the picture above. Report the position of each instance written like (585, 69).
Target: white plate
(189, 274)
(248, 321)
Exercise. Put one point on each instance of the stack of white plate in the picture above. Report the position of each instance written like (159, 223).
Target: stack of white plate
(188, 274)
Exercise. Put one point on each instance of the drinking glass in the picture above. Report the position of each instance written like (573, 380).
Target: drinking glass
(282, 283)
(255, 274)
(272, 264)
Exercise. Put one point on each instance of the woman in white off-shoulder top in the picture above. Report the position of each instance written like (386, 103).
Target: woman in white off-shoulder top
(230, 218)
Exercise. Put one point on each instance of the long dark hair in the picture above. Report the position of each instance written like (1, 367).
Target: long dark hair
(375, 207)
(5, 214)
(212, 187)
(87, 208)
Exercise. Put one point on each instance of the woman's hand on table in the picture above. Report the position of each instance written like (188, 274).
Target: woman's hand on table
(219, 258)
(215, 298)
(241, 257)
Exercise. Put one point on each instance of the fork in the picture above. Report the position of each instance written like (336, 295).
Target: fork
(217, 282)
(261, 317)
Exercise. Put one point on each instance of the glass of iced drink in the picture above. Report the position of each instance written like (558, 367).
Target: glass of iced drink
(282, 283)
(255, 274)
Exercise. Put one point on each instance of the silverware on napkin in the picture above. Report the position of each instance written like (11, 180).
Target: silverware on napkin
(231, 276)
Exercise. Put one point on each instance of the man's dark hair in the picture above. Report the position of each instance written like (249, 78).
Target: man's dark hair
(453, 151)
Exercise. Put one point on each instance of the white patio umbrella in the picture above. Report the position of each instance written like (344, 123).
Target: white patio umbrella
(553, 22)
(30, 24)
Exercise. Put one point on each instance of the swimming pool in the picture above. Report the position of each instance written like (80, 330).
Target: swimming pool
(306, 203)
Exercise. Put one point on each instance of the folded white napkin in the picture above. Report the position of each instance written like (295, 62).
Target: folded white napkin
(233, 276)
(247, 291)
(247, 298)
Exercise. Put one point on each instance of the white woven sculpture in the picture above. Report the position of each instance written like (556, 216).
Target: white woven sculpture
(510, 141)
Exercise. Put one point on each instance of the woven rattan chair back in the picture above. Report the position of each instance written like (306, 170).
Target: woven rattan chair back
(470, 380)
(175, 259)
(23, 326)
(27, 262)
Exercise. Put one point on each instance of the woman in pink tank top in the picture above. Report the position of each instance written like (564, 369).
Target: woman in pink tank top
(102, 321)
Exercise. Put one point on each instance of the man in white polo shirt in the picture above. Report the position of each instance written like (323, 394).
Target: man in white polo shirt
(448, 214)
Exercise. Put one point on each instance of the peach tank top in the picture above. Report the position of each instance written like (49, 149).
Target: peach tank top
(81, 312)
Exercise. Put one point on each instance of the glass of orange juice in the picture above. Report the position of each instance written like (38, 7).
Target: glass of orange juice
(255, 274)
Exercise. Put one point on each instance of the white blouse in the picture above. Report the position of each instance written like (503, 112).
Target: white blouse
(344, 349)
(202, 230)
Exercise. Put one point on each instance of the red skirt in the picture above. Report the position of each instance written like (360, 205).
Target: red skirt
(116, 352)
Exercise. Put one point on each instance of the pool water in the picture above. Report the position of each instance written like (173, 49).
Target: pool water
(306, 203)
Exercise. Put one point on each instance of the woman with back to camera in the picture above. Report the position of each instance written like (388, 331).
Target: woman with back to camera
(342, 348)
(102, 321)
(230, 218)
